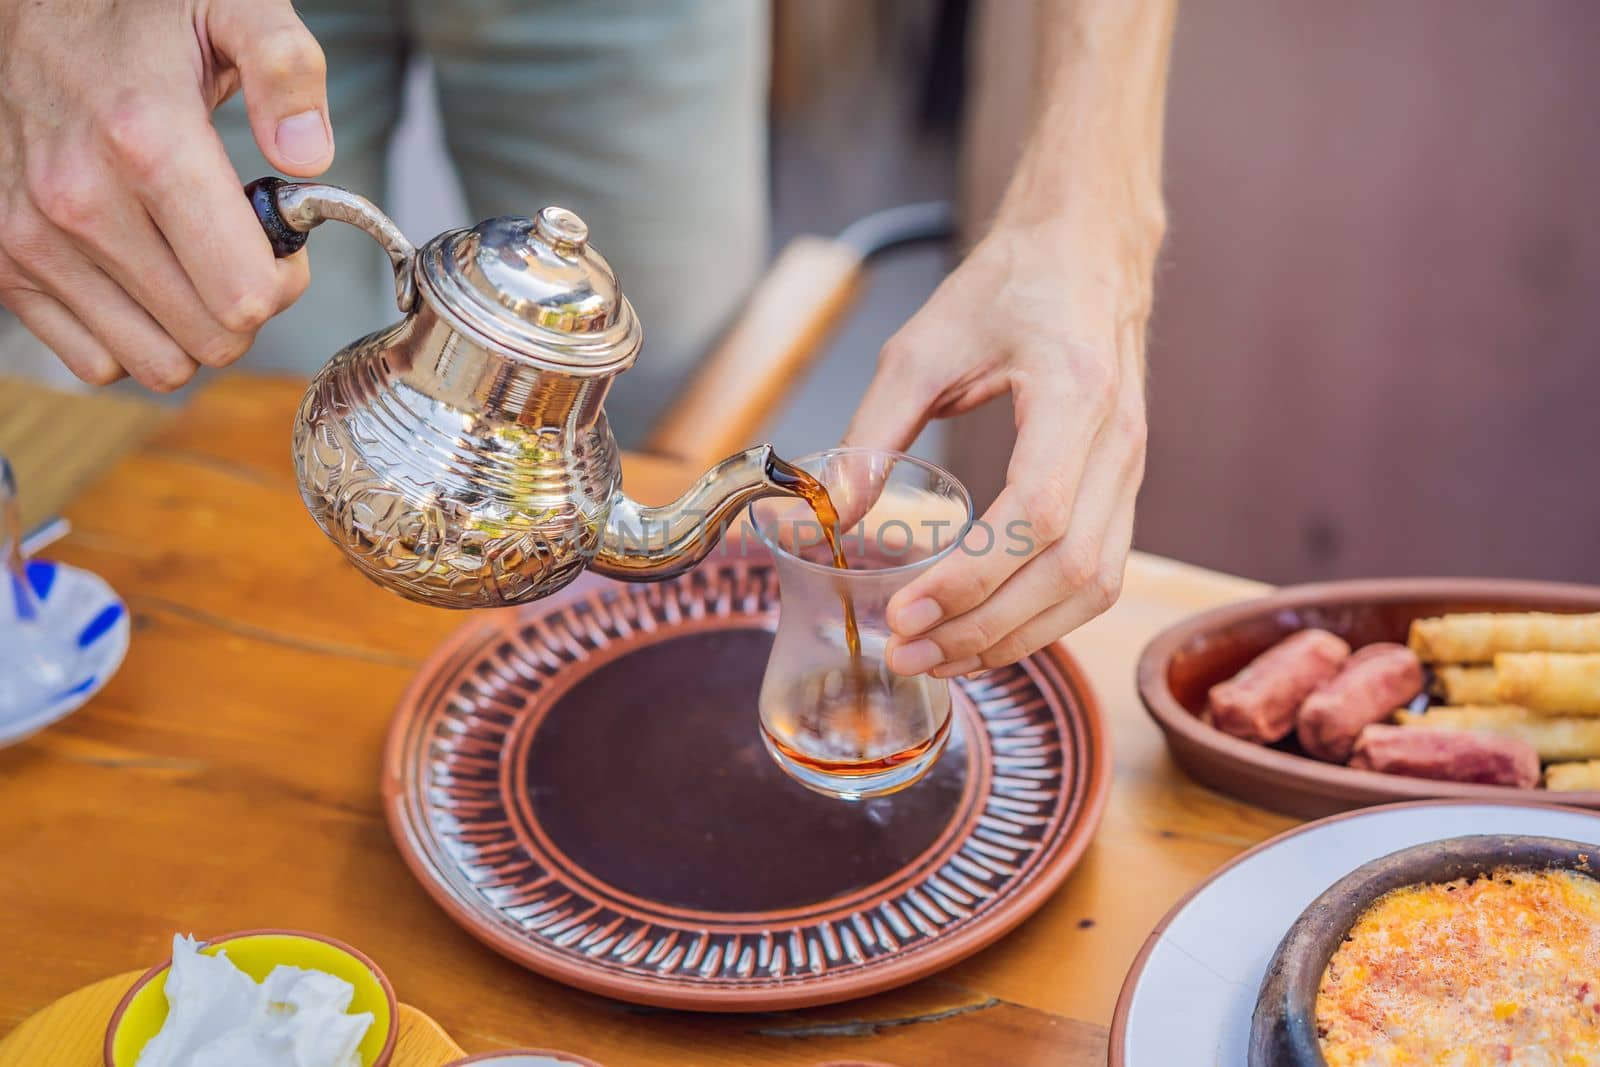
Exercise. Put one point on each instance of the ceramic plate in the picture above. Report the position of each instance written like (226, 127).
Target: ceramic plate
(93, 623)
(580, 783)
(1192, 989)
(1183, 662)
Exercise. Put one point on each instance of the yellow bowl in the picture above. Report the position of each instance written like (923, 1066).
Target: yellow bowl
(143, 1010)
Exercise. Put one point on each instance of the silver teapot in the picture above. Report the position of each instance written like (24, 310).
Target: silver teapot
(461, 457)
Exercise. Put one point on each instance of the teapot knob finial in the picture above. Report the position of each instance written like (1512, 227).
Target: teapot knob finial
(562, 230)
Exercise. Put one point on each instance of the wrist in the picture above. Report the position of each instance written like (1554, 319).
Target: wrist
(1068, 283)
(1090, 246)
(1112, 195)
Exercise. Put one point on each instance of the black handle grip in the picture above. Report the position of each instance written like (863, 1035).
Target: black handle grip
(285, 239)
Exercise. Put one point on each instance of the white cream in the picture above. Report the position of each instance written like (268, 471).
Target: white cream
(219, 1017)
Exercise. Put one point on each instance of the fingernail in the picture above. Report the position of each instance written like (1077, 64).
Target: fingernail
(303, 138)
(964, 665)
(915, 658)
(917, 616)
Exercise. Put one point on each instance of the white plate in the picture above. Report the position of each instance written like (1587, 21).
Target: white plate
(1190, 995)
(93, 624)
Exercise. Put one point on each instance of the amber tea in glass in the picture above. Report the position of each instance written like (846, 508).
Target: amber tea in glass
(833, 715)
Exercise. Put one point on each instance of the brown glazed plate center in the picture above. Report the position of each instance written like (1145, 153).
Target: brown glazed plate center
(581, 784)
(688, 781)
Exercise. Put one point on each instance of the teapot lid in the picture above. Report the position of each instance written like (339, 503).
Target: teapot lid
(534, 290)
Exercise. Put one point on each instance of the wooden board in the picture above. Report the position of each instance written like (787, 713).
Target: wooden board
(71, 1032)
(59, 442)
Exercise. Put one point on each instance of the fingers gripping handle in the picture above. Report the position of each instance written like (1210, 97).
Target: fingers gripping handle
(284, 238)
(288, 211)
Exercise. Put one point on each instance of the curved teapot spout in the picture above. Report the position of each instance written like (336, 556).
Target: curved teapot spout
(647, 544)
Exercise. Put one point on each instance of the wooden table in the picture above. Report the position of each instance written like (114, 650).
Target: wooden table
(58, 442)
(227, 779)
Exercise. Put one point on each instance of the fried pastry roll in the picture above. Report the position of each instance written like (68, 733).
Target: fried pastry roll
(1465, 685)
(1479, 637)
(1554, 737)
(1572, 777)
(1560, 682)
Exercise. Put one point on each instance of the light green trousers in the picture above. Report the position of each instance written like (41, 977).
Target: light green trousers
(647, 117)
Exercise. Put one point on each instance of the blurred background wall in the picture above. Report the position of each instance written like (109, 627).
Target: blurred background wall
(1376, 346)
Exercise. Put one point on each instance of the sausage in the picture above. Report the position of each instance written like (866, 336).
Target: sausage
(1368, 688)
(1258, 703)
(1447, 755)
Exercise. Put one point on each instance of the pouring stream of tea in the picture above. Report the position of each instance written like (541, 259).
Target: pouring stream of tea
(816, 495)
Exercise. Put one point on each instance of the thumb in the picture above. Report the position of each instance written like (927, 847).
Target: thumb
(892, 411)
(284, 77)
(891, 415)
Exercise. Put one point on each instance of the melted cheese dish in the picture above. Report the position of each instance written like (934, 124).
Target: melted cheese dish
(1501, 970)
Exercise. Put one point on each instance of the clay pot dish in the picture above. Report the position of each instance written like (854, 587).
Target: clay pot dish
(1283, 1030)
(1184, 661)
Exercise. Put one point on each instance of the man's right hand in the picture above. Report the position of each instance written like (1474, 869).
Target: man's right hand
(126, 243)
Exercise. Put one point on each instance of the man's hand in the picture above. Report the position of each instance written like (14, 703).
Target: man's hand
(1050, 307)
(126, 244)
(1048, 555)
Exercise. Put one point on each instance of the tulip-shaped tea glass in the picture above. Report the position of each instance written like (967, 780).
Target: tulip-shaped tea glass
(834, 716)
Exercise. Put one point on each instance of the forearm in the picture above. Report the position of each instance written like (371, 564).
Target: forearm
(1093, 158)
(1049, 307)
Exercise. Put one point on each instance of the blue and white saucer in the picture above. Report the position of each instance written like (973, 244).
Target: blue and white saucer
(82, 629)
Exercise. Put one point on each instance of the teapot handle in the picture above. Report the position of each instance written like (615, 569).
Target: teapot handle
(288, 211)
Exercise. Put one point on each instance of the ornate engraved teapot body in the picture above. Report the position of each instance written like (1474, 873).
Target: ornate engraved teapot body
(461, 457)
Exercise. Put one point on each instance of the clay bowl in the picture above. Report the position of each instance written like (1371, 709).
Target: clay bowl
(1184, 661)
(1283, 1030)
